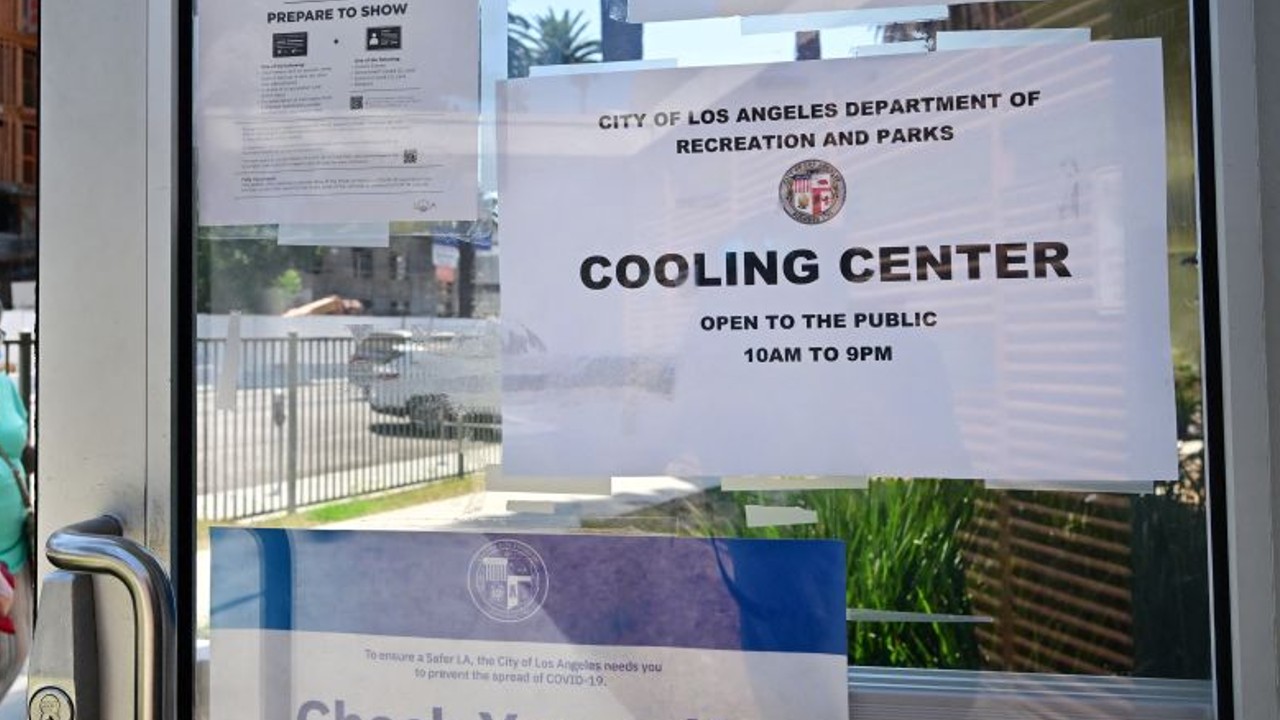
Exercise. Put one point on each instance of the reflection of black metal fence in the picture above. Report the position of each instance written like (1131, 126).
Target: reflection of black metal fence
(281, 426)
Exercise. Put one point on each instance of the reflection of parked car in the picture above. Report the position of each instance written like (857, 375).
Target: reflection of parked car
(439, 378)
(373, 352)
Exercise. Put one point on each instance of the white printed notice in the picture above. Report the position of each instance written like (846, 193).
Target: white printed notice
(944, 265)
(659, 10)
(318, 625)
(336, 111)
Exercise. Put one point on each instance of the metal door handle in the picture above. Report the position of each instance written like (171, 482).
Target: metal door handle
(98, 546)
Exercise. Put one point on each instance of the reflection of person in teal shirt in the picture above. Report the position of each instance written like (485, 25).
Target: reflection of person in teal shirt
(15, 627)
(13, 438)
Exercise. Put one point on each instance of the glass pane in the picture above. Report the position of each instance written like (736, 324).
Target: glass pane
(19, 147)
(351, 377)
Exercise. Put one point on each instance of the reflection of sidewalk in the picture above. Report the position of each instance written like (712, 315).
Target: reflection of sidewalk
(503, 512)
(337, 485)
(516, 511)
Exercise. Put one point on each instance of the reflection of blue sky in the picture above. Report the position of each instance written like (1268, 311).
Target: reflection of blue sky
(715, 41)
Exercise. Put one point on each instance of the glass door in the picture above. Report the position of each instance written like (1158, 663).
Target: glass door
(630, 360)
(106, 425)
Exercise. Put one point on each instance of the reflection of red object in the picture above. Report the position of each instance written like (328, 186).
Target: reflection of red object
(6, 621)
(331, 305)
(31, 16)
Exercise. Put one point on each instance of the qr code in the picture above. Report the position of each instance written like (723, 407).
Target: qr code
(410, 157)
(357, 102)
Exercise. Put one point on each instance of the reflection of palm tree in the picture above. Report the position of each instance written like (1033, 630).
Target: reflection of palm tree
(517, 51)
(550, 39)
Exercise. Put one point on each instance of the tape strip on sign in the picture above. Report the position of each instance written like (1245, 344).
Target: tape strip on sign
(495, 480)
(765, 24)
(1136, 487)
(748, 483)
(229, 374)
(604, 67)
(532, 507)
(897, 48)
(661, 10)
(768, 515)
(647, 490)
(362, 235)
(972, 39)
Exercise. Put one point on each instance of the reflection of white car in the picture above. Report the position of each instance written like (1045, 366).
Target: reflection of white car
(440, 378)
(372, 352)
(445, 377)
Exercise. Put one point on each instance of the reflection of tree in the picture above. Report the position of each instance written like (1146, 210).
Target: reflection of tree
(466, 235)
(548, 39)
(517, 51)
(245, 262)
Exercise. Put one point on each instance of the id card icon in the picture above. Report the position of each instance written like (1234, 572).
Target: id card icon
(287, 45)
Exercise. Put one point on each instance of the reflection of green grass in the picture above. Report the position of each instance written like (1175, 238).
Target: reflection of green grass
(1184, 304)
(339, 512)
(360, 507)
(903, 553)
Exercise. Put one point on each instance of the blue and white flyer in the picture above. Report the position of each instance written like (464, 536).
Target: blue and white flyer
(318, 625)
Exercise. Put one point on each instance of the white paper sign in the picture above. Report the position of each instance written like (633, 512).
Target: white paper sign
(335, 112)
(944, 265)
(660, 10)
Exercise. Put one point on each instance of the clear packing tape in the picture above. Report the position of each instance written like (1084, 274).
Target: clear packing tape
(665, 10)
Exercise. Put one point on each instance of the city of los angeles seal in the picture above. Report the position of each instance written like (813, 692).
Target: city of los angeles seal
(508, 580)
(812, 192)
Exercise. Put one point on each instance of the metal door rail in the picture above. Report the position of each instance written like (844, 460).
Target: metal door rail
(97, 546)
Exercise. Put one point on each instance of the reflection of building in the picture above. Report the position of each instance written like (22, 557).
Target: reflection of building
(411, 275)
(415, 276)
(19, 141)
(396, 280)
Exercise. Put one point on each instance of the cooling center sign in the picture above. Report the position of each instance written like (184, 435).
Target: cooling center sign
(950, 264)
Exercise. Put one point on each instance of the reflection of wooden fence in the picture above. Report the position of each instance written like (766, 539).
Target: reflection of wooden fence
(1055, 571)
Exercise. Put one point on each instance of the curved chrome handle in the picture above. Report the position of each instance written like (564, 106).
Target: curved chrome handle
(98, 546)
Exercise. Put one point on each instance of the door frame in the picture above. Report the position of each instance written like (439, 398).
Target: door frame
(1237, 86)
(119, 439)
(108, 216)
